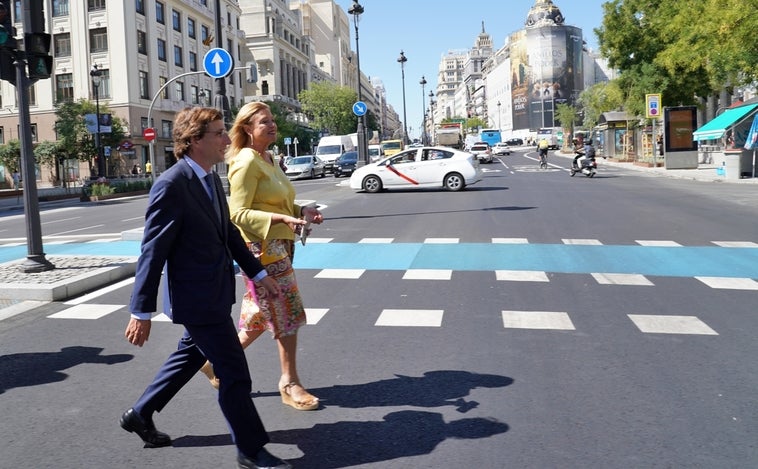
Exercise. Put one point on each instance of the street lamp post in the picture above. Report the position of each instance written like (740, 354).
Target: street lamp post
(499, 128)
(423, 109)
(402, 59)
(432, 102)
(95, 73)
(357, 10)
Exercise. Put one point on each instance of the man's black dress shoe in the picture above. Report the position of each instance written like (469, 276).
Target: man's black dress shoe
(131, 421)
(262, 460)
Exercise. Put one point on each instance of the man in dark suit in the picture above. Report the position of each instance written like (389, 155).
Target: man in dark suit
(187, 230)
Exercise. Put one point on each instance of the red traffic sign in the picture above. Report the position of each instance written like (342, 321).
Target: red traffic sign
(149, 134)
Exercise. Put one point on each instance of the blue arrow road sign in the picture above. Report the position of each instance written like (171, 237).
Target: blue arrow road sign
(218, 63)
(359, 108)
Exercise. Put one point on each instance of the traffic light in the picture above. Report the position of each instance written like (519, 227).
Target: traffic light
(7, 43)
(38, 58)
(36, 41)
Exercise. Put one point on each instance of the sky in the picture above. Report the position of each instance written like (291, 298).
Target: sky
(426, 30)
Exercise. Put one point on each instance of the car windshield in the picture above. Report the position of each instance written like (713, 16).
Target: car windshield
(347, 157)
(300, 160)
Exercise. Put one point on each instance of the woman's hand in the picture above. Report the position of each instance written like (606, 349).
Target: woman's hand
(312, 214)
(271, 286)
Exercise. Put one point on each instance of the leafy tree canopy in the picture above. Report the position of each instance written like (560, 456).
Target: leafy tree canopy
(330, 107)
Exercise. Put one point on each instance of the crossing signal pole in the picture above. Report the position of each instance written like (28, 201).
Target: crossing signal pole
(13, 70)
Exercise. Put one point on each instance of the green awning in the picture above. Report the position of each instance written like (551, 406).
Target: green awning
(717, 127)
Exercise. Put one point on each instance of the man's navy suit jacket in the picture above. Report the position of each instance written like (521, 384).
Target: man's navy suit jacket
(183, 231)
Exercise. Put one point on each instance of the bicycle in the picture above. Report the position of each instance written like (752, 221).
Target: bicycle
(543, 159)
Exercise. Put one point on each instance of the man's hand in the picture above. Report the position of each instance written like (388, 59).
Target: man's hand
(138, 331)
(271, 286)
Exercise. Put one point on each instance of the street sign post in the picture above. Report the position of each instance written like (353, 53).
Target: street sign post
(218, 63)
(359, 108)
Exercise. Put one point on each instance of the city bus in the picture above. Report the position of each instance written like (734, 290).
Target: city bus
(490, 136)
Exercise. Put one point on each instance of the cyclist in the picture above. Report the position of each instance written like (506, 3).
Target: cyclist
(543, 146)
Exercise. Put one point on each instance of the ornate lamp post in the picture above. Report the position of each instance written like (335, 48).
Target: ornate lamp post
(95, 73)
(402, 59)
(357, 10)
(423, 109)
(432, 102)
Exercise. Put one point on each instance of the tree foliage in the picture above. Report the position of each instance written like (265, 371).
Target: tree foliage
(682, 49)
(10, 155)
(74, 141)
(330, 107)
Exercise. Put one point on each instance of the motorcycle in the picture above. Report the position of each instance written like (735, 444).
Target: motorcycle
(588, 165)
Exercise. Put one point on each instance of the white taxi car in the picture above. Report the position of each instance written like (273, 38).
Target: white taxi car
(419, 167)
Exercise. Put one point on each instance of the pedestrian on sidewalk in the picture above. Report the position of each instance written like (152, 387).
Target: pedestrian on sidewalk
(188, 230)
(16, 180)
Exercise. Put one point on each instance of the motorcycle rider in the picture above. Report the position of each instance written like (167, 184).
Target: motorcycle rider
(586, 153)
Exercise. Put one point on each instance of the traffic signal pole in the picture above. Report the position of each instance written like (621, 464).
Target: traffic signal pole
(35, 258)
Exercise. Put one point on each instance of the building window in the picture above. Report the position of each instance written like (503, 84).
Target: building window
(193, 61)
(104, 89)
(162, 81)
(33, 129)
(144, 85)
(159, 13)
(2, 135)
(142, 42)
(60, 7)
(64, 87)
(143, 123)
(176, 19)
(140, 6)
(191, 28)
(179, 90)
(194, 94)
(204, 33)
(204, 3)
(33, 95)
(178, 57)
(162, 50)
(166, 128)
(98, 40)
(62, 45)
(95, 5)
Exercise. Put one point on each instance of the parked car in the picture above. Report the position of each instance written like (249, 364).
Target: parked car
(501, 148)
(515, 142)
(482, 151)
(419, 167)
(345, 164)
(307, 166)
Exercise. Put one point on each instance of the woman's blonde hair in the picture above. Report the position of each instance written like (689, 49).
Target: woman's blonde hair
(240, 139)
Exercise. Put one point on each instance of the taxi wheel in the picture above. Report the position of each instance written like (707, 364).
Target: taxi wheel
(454, 182)
(372, 184)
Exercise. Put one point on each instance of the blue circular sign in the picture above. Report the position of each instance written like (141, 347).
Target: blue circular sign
(359, 108)
(218, 63)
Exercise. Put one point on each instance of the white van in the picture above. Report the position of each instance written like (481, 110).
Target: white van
(331, 147)
(375, 153)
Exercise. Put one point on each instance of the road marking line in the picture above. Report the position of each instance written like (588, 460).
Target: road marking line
(340, 273)
(442, 241)
(657, 243)
(319, 240)
(537, 320)
(728, 283)
(314, 315)
(521, 276)
(100, 292)
(88, 311)
(410, 317)
(428, 274)
(510, 241)
(376, 241)
(622, 279)
(736, 244)
(584, 242)
(665, 324)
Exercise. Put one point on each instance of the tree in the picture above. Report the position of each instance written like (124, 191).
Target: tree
(330, 107)
(598, 99)
(10, 155)
(74, 141)
(287, 127)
